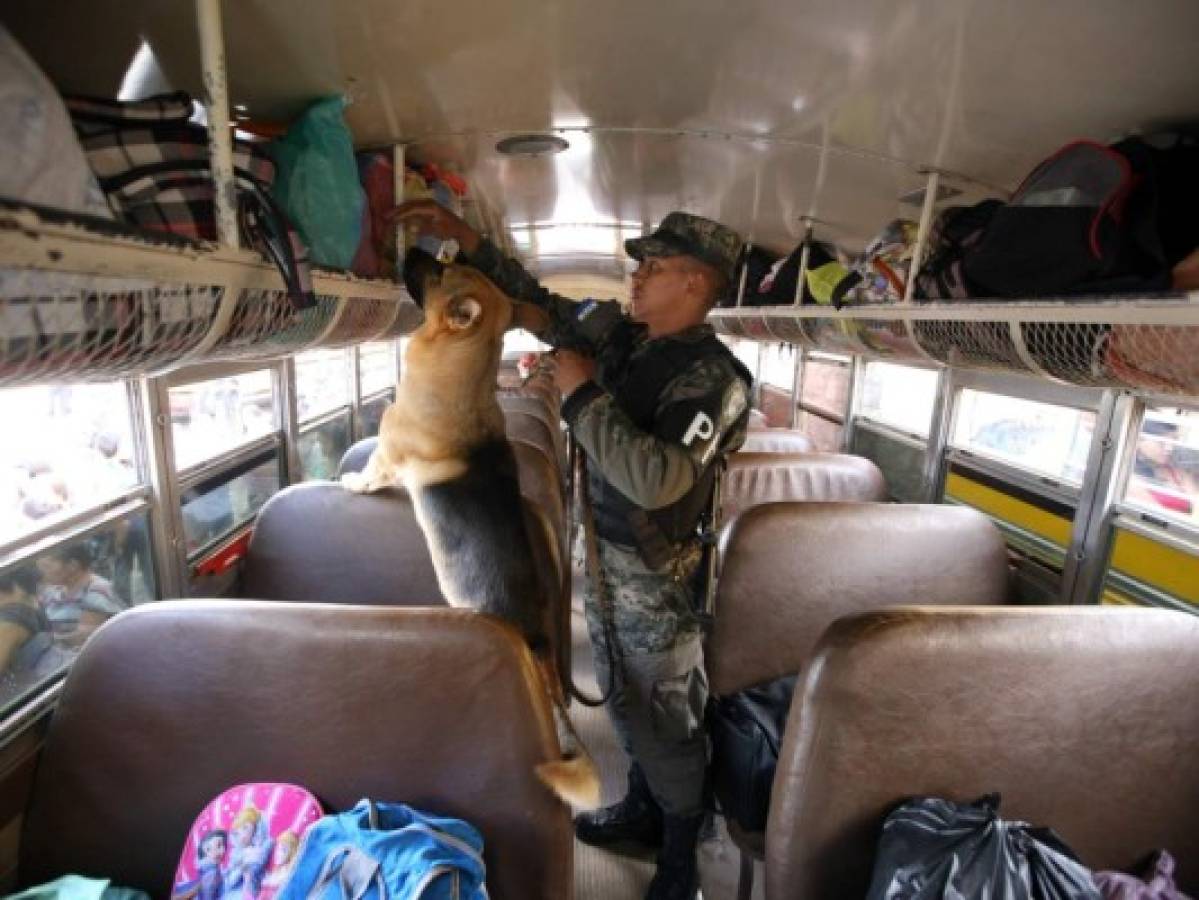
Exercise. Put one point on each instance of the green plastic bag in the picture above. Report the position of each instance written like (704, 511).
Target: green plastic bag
(317, 183)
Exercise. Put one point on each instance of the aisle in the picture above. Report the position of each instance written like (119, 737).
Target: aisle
(606, 876)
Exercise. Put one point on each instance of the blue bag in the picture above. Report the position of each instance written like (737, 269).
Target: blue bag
(378, 851)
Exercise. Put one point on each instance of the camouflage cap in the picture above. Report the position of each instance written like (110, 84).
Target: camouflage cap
(684, 234)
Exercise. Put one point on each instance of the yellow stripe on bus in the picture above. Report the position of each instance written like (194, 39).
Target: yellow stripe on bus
(1165, 568)
(1048, 525)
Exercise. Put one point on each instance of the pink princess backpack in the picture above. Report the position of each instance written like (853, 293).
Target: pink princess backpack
(244, 843)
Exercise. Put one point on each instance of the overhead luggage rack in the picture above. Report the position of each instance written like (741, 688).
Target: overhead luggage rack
(84, 299)
(1145, 344)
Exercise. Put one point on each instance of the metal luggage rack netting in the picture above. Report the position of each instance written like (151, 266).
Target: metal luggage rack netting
(69, 327)
(362, 319)
(1153, 358)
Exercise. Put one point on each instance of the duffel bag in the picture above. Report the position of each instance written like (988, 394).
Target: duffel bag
(153, 164)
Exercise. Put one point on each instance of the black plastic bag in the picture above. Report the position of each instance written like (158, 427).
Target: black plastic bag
(935, 849)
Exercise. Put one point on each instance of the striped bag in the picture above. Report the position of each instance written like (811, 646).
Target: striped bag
(153, 164)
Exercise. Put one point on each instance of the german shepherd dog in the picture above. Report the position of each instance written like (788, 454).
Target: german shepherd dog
(443, 440)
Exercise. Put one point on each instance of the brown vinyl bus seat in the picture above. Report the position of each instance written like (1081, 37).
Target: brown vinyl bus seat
(531, 429)
(1082, 718)
(535, 406)
(755, 478)
(776, 440)
(172, 703)
(319, 543)
(789, 570)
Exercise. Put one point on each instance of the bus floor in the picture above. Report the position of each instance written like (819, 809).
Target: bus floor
(606, 876)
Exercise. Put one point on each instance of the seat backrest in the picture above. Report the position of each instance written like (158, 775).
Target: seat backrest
(788, 570)
(1084, 719)
(534, 405)
(531, 429)
(170, 704)
(540, 483)
(355, 458)
(776, 440)
(754, 478)
(319, 543)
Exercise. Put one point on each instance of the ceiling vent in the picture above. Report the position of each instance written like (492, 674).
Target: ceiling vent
(532, 145)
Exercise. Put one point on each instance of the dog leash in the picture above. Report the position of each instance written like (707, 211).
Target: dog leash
(582, 501)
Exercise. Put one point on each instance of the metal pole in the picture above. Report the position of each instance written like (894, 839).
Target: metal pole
(397, 175)
(938, 437)
(220, 138)
(168, 542)
(796, 387)
(1112, 443)
(926, 221)
(851, 401)
(804, 255)
(289, 417)
(749, 239)
(744, 274)
(355, 362)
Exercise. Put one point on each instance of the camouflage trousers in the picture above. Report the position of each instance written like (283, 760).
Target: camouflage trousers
(659, 684)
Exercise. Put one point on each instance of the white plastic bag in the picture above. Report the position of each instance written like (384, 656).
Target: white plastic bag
(43, 162)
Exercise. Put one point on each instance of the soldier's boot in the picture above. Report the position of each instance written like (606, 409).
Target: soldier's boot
(677, 876)
(632, 827)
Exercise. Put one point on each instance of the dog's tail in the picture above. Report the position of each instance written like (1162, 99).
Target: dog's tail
(574, 778)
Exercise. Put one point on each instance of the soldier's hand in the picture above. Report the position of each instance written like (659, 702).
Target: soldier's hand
(571, 370)
(421, 217)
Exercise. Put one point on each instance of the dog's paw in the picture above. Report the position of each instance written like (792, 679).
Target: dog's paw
(356, 483)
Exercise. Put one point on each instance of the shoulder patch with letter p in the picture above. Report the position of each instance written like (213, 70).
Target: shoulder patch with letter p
(701, 427)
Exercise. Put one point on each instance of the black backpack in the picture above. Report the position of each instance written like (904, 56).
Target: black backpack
(1090, 219)
(746, 730)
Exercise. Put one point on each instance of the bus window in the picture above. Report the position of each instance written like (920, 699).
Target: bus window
(323, 444)
(371, 414)
(1050, 440)
(209, 418)
(67, 448)
(824, 396)
(322, 382)
(376, 368)
(747, 352)
(892, 423)
(1164, 480)
(51, 602)
(899, 396)
(323, 385)
(216, 506)
(778, 375)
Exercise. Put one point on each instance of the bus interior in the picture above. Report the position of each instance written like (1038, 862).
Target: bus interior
(969, 525)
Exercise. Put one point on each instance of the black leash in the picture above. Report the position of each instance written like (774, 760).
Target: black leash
(581, 498)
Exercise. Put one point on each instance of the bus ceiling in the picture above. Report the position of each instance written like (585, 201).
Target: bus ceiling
(726, 109)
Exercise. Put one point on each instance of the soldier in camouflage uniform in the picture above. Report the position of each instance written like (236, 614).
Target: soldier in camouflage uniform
(655, 401)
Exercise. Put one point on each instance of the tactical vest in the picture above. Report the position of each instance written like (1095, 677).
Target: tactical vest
(657, 533)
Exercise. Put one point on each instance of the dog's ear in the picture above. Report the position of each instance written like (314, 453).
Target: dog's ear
(463, 312)
(421, 271)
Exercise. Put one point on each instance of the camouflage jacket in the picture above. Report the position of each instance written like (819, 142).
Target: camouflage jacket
(652, 454)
